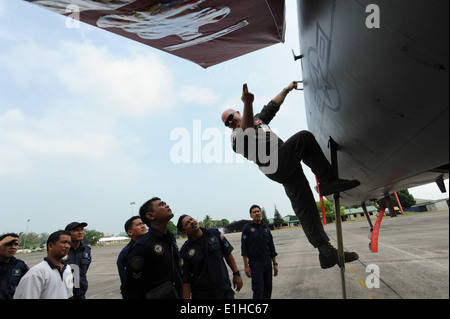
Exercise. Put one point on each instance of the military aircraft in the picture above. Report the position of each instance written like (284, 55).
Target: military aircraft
(376, 82)
(375, 72)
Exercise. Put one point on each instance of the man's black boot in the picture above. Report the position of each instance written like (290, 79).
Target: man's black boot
(328, 256)
(337, 185)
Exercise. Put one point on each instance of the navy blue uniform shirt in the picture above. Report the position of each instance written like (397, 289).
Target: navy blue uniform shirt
(150, 265)
(204, 267)
(81, 257)
(123, 260)
(257, 242)
(10, 275)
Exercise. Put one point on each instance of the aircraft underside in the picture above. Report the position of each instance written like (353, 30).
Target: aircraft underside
(376, 82)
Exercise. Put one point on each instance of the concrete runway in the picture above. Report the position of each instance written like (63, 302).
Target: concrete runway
(413, 263)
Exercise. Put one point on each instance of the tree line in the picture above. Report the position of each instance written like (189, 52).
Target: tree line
(406, 200)
(33, 240)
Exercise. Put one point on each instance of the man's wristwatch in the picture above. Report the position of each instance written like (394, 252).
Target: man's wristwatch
(237, 273)
(275, 264)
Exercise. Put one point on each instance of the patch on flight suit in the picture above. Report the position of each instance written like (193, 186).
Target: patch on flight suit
(16, 272)
(137, 263)
(86, 255)
(192, 252)
(158, 249)
(252, 230)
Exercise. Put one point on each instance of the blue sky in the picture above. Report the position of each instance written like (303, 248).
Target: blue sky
(91, 122)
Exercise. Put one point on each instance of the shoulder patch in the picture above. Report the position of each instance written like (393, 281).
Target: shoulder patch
(16, 272)
(158, 249)
(191, 252)
(137, 263)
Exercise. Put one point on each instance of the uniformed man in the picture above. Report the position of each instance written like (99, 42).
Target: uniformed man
(258, 252)
(281, 162)
(135, 228)
(11, 268)
(79, 257)
(154, 268)
(204, 272)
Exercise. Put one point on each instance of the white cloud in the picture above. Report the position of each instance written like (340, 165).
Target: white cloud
(70, 102)
(26, 140)
(132, 87)
(198, 95)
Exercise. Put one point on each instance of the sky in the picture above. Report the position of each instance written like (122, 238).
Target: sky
(92, 125)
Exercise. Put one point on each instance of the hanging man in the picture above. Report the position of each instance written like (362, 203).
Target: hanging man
(280, 161)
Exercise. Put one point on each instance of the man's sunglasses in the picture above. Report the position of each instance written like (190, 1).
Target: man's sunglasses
(229, 119)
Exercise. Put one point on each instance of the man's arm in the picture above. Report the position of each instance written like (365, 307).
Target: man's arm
(248, 271)
(187, 272)
(237, 280)
(270, 110)
(273, 254)
(244, 252)
(279, 99)
(247, 117)
(186, 291)
(7, 240)
(275, 266)
(133, 285)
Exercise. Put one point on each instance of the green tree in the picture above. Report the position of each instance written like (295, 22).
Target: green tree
(406, 199)
(208, 222)
(277, 219)
(220, 223)
(225, 222)
(172, 228)
(329, 210)
(264, 216)
(91, 237)
(32, 240)
(43, 239)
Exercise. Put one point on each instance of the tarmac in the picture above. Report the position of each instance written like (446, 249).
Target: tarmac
(412, 263)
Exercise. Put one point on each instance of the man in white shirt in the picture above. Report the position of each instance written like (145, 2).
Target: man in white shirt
(52, 278)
